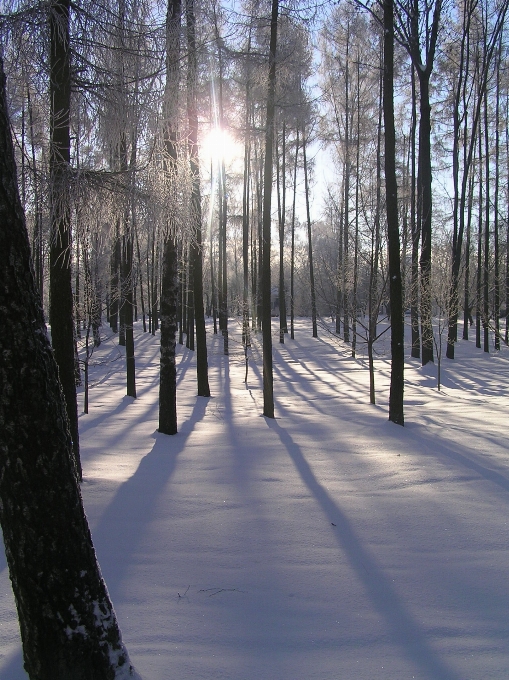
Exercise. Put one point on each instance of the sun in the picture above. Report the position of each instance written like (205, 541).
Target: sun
(217, 145)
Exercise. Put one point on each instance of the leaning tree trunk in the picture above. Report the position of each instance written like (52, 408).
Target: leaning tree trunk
(67, 623)
(61, 297)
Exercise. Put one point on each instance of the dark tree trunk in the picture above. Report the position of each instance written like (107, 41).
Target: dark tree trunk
(496, 254)
(292, 256)
(67, 623)
(115, 280)
(424, 215)
(168, 366)
(487, 206)
(391, 189)
(268, 378)
(310, 241)
(467, 305)
(61, 297)
(283, 328)
(246, 200)
(169, 284)
(479, 249)
(196, 244)
(128, 305)
(415, 351)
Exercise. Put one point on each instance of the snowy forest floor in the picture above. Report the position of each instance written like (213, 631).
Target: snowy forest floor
(326, 544)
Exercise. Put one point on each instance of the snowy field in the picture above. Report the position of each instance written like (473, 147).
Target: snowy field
(327, 544)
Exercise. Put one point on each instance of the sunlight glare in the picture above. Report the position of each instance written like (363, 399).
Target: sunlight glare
(218, 144)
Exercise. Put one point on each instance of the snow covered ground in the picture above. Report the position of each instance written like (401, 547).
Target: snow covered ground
(327, 544)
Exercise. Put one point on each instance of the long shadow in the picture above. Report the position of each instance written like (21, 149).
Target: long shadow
(447, 449)
(124, 522)
(403, 628)
(96, 420)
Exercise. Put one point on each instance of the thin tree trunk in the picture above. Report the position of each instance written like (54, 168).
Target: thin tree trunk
(268, 378)
(416, 234)
(310, 241)
(467, 316)
(479, 249)
(496, 254)
(391, 190)
(283, 328)
(196, 243)
(487, 206)
(169, 283)
(424, 213)
(61, 297)
(292, 256)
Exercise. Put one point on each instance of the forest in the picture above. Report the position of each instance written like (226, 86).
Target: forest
(142, 139)
(222, 174)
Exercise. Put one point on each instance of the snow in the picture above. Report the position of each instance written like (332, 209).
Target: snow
(326, 544)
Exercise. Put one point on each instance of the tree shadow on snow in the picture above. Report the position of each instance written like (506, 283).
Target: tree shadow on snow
(403, 629)
(126, 519)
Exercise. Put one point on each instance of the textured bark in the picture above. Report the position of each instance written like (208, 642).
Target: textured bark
(68, 626)
(168, 367)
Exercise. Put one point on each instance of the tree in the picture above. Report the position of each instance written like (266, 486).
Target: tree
(417, 27)
(169, 287)
(310, 241)
(268, 379)
(196, 249)
(470, 92)
(391, 192)
(68, 626)
(61, 296)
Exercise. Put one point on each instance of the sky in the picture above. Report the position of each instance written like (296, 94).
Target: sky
(326, 544)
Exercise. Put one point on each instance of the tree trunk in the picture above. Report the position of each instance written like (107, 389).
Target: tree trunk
(310, 241)
(415, 229)
(424, 201)
(487, 206)
(282, 217)
(61, 297)
(479, 249)
(268, 378)
(496, 254)
(67, 623)
(169, 283)
(391, 190)
(292, 256)
(168, 366)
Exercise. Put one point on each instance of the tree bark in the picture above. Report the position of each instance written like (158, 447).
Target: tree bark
(67, 623)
